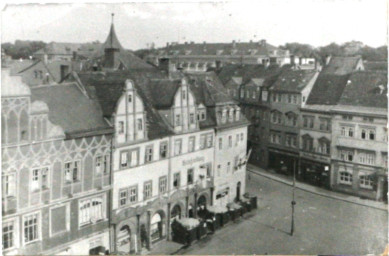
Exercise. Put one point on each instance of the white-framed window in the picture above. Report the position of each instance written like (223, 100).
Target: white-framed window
(9, 234)
(133, 194)
(91, 210)
(149, 154)
(40, 178)
(123, 159)
(177, 147)
(139, 123)
(191, 118)
(102, 164)
(147, 190)
(191, 146)
(346, 155)
(366, 181)
(345, 178)
(9, 184)
(31, 228)
(123, 196)
(224, 116)
(73, 171)
(162, 185)
(220, 143)
(209, 140)
(351, 132)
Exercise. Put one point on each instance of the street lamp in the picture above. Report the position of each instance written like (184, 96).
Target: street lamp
(293, 203)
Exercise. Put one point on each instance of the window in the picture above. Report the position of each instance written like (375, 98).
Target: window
(324, 147)
(121, 127)
(292, 119)
(176, 180)
(371, 134)
(247, 94)
(191, 118)
(370, 157)
(275, 137)
(220, 143)
(191, 144)
(345, 178)
(363, 134)
(228, 167)
(72, 171)
(123, 159)
(202, 115)
(178, 120)
(91, 210)
(163, 149)
(183, 94)
(279, 97)
(324, 124)
(343, 131)
(254, 95)
(9, 184)
(366, 181)
(162, 184)
(347, 117)
(139, 122)
(149, 154)
(101, 164)
(8, 234)
(147, 190)
(351, 132)
(123, 197)
(31, 228)
(237, 114)
(346, 155)
(202, 141)
(264, 95)
(241, 93)
(276, 117)
(133, 194)
(190, 176)
(224, 116)
(230, 141)
(294, 99)
(307, 143)
(177, 146)
(209, 140)
(290, 140)
(241, 136)
(308, 121)
(129, 98)
(368, 119)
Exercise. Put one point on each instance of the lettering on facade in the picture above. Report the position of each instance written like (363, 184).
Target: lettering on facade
(315, 157)
(193, 160)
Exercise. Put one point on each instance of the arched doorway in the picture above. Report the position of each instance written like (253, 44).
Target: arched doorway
(157, 227)
(190, 211)
(238, 191)
(201, 206)
(175, 213)
(124, 240)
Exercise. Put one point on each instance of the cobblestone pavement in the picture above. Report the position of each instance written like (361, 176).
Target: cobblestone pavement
(322, 226)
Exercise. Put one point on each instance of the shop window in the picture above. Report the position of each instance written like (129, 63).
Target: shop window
(366, 181)
(345, 178)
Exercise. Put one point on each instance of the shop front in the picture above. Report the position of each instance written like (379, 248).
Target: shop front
(315, 170)
(284, 162)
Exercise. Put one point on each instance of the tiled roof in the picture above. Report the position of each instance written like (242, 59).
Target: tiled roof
(109, 86)
(341, 65)
(367, 89)
(162, 92)
(376, 65)
(16, 66)
(293, 80)
(194, 49)
(327, 89)
(70, 108)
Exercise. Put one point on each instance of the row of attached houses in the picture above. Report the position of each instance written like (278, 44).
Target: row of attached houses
(107, 159)
(312, 122)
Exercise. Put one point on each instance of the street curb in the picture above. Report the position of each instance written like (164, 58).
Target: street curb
(314, 192)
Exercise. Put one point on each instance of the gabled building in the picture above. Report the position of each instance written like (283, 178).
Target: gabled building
(359, 137)
(287, 95)
(55, 170)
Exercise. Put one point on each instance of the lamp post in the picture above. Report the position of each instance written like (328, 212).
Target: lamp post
(293, 203)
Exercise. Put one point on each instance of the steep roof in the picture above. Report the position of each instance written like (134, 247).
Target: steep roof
(340, 65)
(293, 80)
(71, 109)
(112, 41)
(16, 66)
(327, 89)
(162, 91)
(366, 89)
(109, 86)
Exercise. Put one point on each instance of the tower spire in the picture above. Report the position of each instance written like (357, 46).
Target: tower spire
(112, 14)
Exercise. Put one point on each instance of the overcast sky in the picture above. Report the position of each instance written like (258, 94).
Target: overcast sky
(316, 22)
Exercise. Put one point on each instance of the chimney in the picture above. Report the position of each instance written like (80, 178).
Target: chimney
(263, 43)
(166, 65)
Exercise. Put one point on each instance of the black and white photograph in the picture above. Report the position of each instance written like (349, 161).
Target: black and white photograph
(195, 127)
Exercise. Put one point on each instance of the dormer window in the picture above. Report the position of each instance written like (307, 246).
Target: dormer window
(237, 114)
(231, 115)
(224, 116)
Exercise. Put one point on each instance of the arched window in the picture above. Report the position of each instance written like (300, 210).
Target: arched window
(363, 134)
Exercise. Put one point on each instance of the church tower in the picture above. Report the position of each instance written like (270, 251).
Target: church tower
(112, 49)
